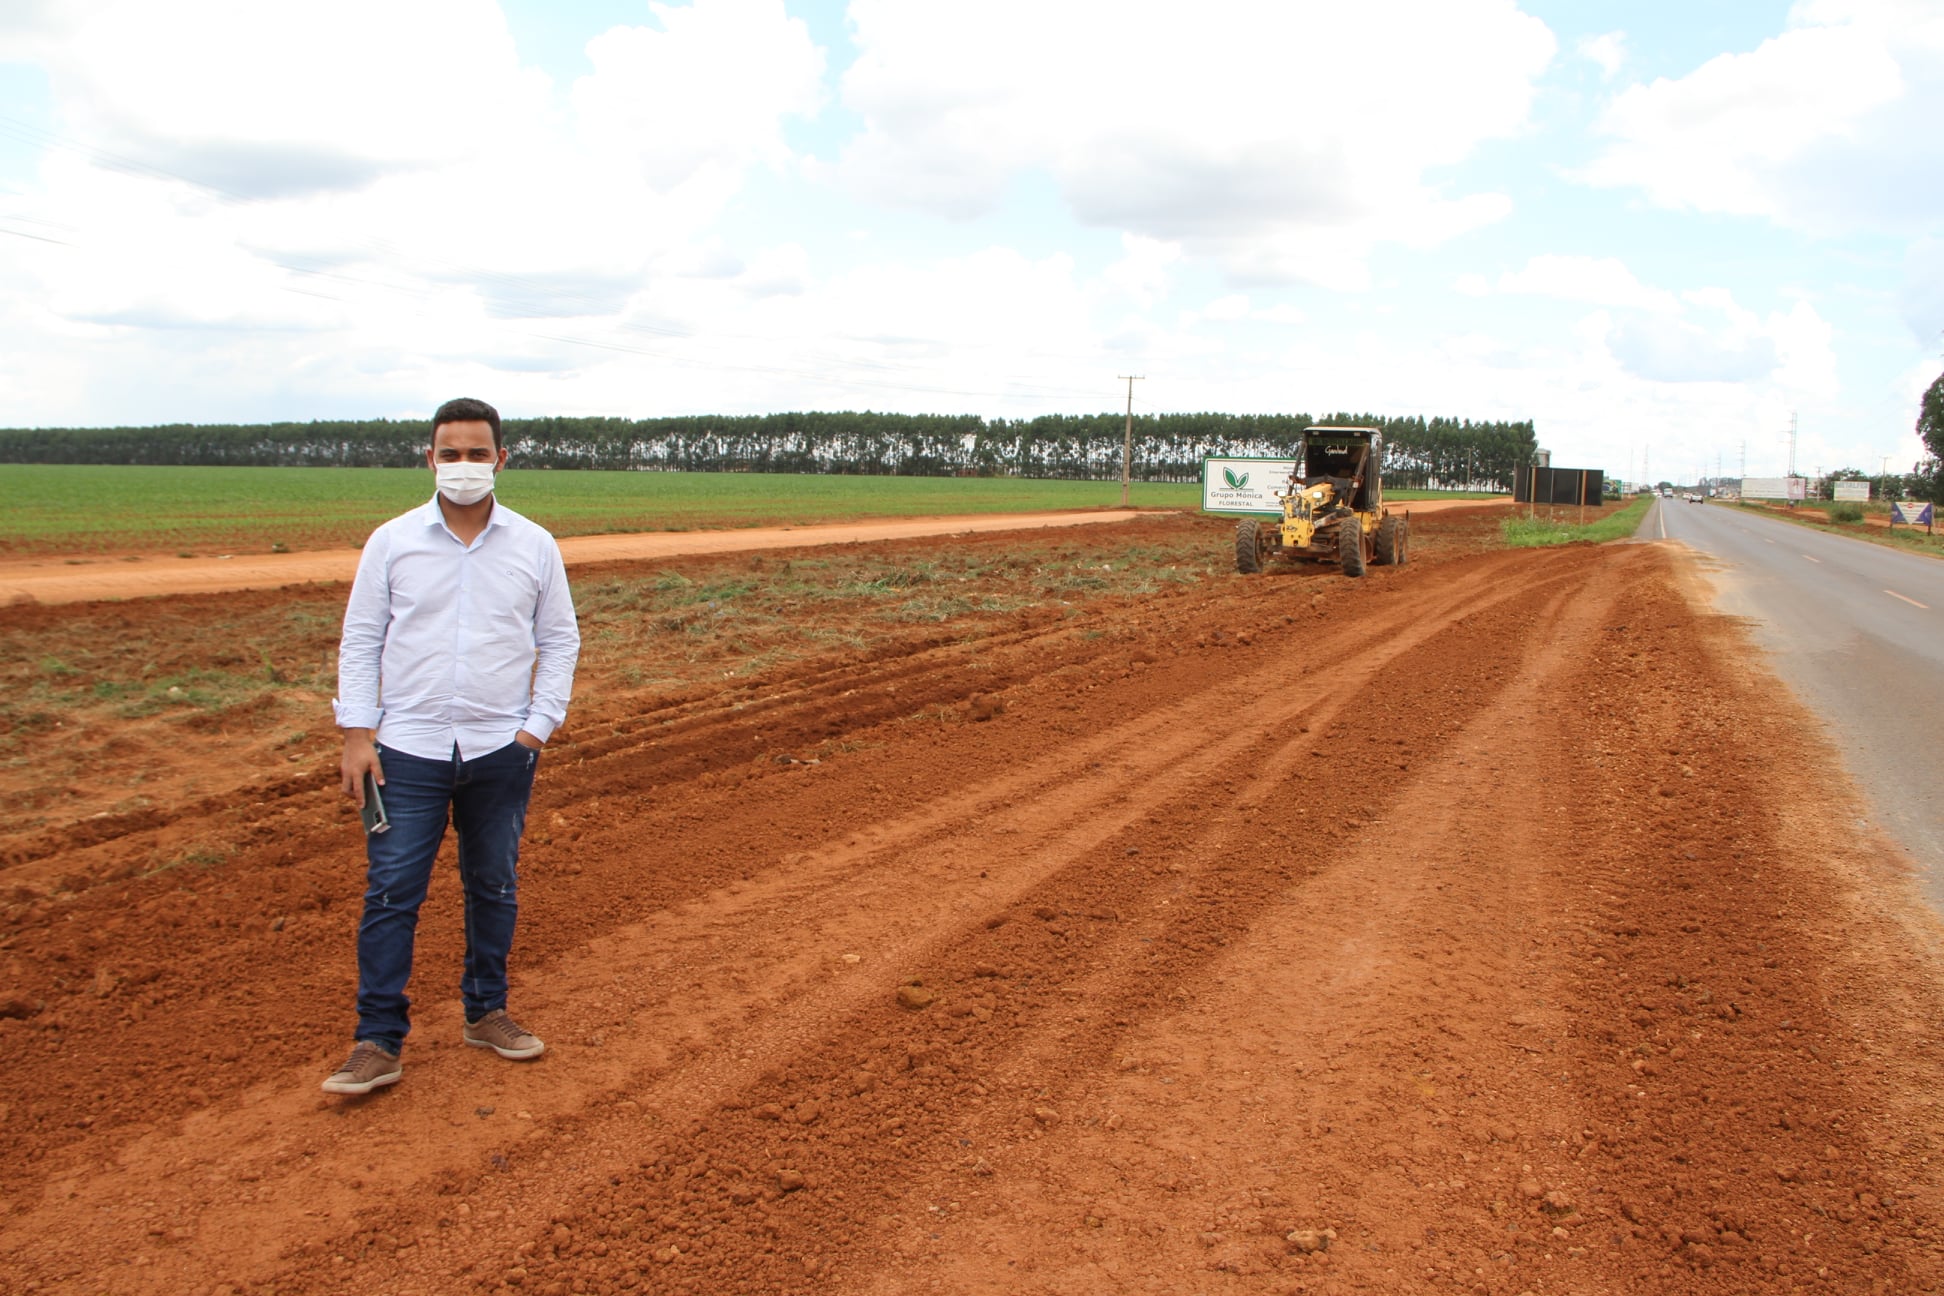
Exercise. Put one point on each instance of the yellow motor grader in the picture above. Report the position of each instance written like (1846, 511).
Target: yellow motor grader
(1333, 508)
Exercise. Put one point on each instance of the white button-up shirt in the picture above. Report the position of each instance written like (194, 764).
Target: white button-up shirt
(448, 643)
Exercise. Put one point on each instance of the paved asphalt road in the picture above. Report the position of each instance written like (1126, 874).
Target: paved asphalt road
(1857, 630)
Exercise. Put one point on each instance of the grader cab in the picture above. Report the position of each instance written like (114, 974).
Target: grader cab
(1332, 508)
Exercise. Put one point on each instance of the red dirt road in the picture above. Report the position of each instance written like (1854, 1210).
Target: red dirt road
(57, 580)
(1478, 926)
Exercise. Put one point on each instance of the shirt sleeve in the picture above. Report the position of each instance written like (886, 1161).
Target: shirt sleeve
(556, 638)
(367, 618)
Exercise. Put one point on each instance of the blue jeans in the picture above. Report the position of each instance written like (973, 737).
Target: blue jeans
(487, 799)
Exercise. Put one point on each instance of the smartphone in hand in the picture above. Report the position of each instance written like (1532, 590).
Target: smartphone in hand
(375, 819)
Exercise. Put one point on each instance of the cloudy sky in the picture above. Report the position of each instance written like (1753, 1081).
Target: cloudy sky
(1658, 229)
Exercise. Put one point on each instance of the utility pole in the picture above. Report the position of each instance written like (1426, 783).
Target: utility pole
(1792, 442)
(1127, 442)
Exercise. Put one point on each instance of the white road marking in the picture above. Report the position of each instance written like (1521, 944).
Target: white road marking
(1816, 561)
(1913, 602)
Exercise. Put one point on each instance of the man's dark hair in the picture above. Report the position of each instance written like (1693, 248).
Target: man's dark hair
(468, 410)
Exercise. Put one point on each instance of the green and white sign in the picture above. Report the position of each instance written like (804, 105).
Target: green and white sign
(1244, 485)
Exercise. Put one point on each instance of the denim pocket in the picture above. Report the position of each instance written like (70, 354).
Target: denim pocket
(514, 753)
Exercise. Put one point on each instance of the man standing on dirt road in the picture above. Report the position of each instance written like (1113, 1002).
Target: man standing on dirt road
(455, 668)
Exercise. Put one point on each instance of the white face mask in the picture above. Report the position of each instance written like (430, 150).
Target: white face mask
(465, 483)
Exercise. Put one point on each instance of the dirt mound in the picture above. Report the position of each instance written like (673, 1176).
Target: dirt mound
(1475, 926)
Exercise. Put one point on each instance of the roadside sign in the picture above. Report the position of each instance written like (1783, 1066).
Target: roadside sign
(1782, 488)
(1911, 513)
(1244, 485)
(1850, 490)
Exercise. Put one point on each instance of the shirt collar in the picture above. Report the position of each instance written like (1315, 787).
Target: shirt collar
(429, 514)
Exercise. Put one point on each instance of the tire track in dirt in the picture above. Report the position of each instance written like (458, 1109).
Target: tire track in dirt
(1190, 993)
(1141, 730)
(1486, 1153)
(1053, 903)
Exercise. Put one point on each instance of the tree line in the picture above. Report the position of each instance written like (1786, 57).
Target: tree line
(1420, 452)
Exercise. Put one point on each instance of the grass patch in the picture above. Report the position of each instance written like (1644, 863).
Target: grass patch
(1912, 539)
(757, 611)
(196, 857)
(1539, 530)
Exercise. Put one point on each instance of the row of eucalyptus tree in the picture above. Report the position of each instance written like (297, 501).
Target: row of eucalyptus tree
(1435, 452)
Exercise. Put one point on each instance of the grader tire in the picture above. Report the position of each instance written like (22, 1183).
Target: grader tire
(1350, 546)
(1248, 546)
(1390, 542)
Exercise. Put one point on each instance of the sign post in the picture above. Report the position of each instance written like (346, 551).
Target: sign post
(1239, 485)
(1911, 513)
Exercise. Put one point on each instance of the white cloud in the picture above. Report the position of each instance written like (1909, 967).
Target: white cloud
(1830, 125)
(1702, 335)
(1923, 290)
(1608, 52)
(1249, 133)
(1804, 346)
(1600, 281)
(272, 99)
(1143, 274)
(1718, 340)
(711, 89)
(1234, 306)
(391, 178)
(598, 247)
(1665, 350)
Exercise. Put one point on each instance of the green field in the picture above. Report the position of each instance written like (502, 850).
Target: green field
(79, 508)
(73, 508)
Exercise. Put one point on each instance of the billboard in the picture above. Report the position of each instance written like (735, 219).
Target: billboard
(1558, 485)
(1782, 488)
(1244, 485)
(1852, 490)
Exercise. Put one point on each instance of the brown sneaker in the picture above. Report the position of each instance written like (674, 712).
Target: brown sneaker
(503, 1035)
(368, 1067)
